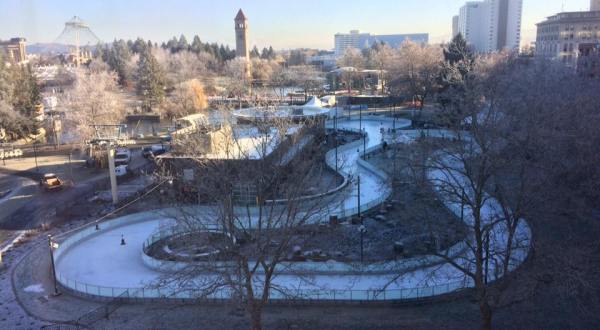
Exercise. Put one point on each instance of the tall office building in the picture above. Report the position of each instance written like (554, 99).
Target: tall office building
(491, 25)
(594, 5)
(358, 40)
(455, 25)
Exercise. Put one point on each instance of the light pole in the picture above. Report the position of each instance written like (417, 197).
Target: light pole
(359, 216)
(362, 229)
(335, 132)
(360, 117)
(364, 143)
(51, 247)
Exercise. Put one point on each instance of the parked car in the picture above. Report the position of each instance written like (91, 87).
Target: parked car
(51, 182)
(122, 156)
(153, 151)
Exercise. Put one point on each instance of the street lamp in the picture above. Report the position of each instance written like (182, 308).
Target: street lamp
(52, 246)
(362, 229)
(360, 117)
(364, 143)
(335, 133)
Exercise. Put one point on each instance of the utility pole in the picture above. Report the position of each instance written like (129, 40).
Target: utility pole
(70, 167)
(37, 169)
(112, 174)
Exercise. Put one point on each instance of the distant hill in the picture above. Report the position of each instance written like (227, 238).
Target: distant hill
(50, 48)
(47, 48)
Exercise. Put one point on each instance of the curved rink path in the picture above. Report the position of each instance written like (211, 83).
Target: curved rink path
(101, 261)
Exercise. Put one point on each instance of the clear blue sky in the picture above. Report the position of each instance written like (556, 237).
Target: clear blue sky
(281, 23)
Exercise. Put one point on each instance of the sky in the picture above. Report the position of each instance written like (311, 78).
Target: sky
(282, 24)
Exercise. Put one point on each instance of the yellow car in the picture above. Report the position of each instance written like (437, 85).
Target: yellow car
(51, 182)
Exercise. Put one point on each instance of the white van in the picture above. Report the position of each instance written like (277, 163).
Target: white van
(122, 156)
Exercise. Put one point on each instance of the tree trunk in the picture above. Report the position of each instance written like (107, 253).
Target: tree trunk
(486, 315)
(256, 316)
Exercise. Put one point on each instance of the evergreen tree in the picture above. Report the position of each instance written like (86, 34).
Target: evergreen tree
(264, 54)
(254, 53)
(117, 59)
(222, 53)
(182, 44)
(139, 45)
(172, 45)
(458, 51)
(196, 46)
(150, 81)
(271, 53)
(18, 90)
(455, 76)
(230, 53)
(26, 93)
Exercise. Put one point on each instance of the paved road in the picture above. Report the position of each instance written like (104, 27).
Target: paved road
(41, 206)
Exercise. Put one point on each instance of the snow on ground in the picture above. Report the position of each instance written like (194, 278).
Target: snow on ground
(34, 288)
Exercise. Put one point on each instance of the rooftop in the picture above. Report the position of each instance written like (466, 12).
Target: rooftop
(240, 16)
(572, 16)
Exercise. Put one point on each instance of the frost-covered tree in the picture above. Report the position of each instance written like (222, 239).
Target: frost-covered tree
(415, 71)
(95, 98)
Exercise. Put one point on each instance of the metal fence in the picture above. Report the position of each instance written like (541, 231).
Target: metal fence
(346, 295)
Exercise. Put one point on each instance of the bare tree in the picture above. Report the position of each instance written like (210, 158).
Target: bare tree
(480, 168)
(380, 59)
(415, 71)
(184, 65)
(238, 78)
(186, 99)
(240, 175)
(308, 78)
(351, 63)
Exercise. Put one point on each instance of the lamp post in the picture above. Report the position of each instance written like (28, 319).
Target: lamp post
(362, 229)
(364, 143)
(358, 197)
(360, 117)
(51, 247)
(335, 133)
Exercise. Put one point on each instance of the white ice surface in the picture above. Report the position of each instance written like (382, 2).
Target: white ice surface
(102, 261)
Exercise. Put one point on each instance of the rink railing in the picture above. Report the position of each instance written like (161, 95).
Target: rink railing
(406, 294)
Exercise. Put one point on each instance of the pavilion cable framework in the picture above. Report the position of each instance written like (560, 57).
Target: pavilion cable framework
(77, 34)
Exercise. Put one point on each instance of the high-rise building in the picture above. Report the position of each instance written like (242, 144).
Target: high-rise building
(241, 36)
(455, 25)
(594, 5)
(14, 50)
(358, 40)
(491, 25)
